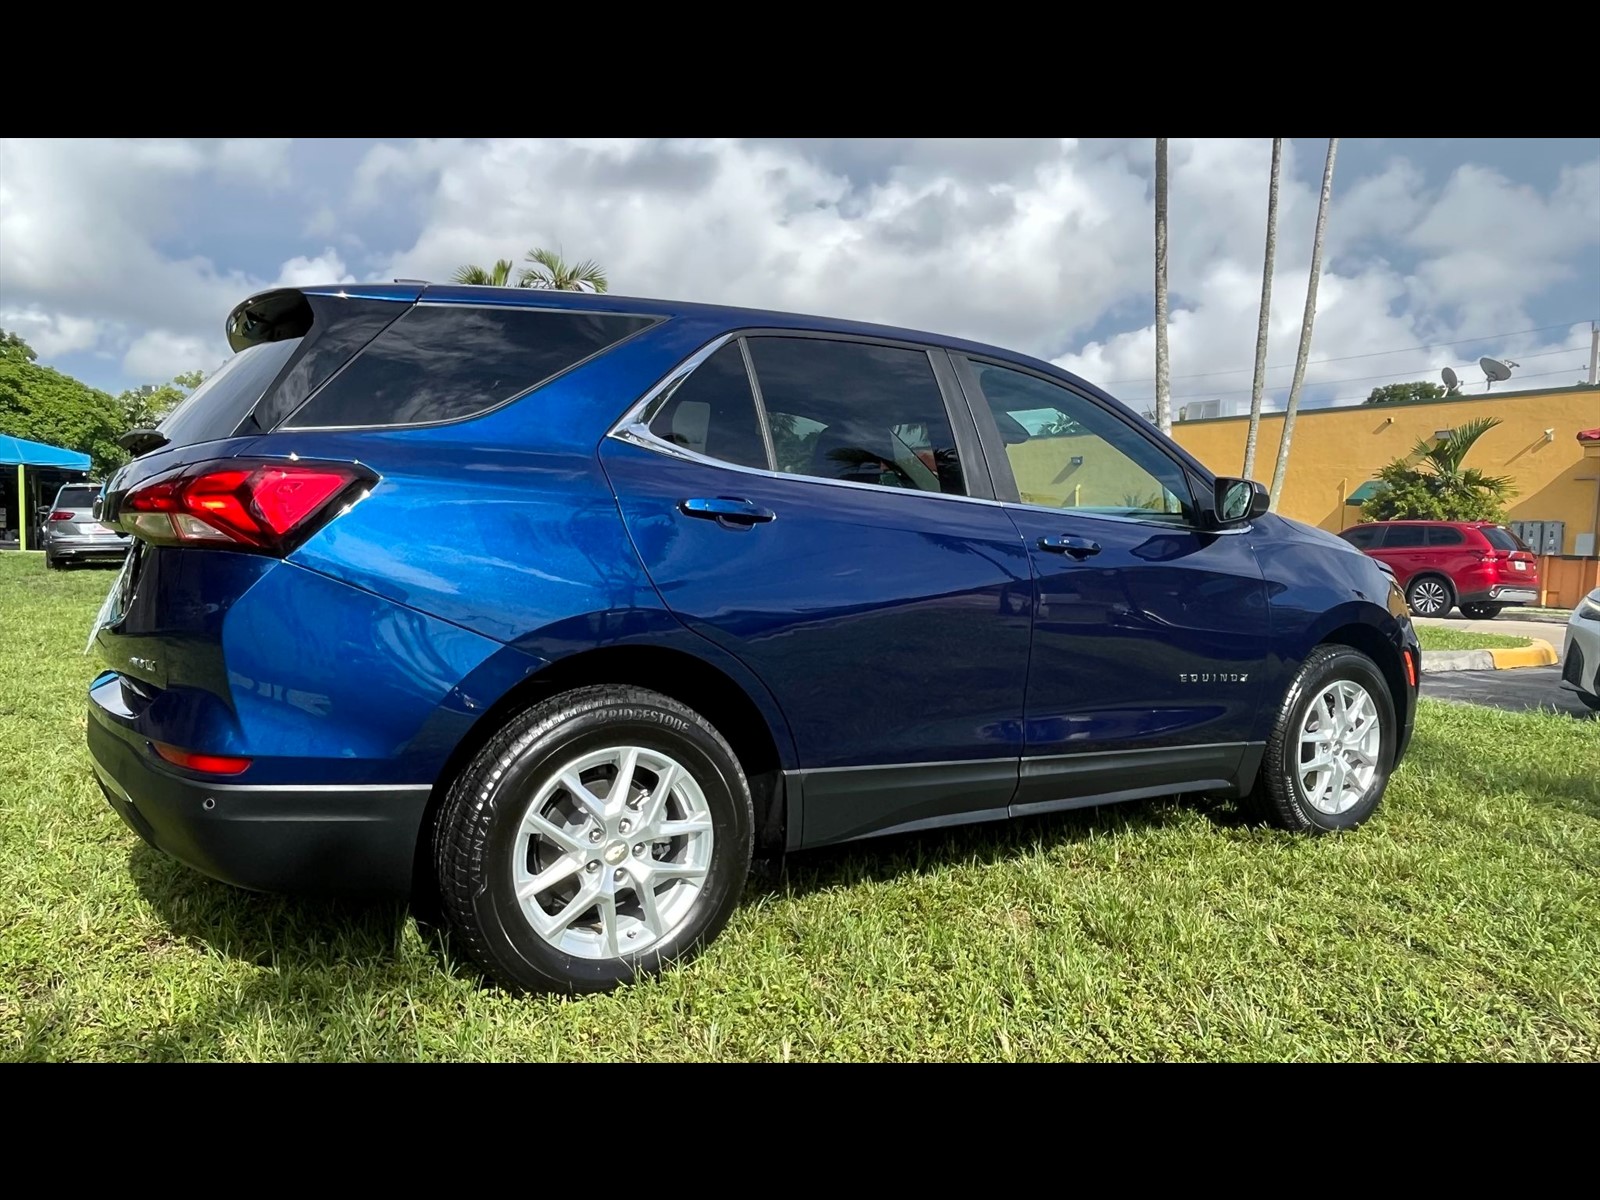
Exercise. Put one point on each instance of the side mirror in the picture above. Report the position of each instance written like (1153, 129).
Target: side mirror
(1236, 501)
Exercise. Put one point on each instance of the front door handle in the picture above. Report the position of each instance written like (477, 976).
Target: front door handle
(1079, 547)
(727, 510)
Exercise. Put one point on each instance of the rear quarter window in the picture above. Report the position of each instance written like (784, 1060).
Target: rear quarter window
(1364, 538)
(445, 362)
(217, 407)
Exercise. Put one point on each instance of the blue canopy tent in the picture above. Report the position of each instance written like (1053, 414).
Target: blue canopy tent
(30, 473)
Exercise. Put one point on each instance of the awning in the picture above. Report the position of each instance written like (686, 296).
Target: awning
(1365, 492)
(1589, 435)
(14, 450)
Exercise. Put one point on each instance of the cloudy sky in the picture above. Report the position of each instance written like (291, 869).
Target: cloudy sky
(119, 259)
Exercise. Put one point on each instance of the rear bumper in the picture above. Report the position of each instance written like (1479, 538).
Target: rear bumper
(343, 838)
(86, 547)
(1503, 593)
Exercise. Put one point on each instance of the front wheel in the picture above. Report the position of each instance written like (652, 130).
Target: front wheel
(599, 836)
(52, 563)
(1481, 612)
(1429, 597)
(1332, 746)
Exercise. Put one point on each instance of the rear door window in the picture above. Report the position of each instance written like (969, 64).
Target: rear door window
(444, 362)
(1445, 535)
(856, 411)
(713, 412)
(1405, 537)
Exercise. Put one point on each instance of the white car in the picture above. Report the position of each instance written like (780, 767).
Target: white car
(1581, 658)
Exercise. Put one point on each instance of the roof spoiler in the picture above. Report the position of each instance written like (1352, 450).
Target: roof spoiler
(268, 317)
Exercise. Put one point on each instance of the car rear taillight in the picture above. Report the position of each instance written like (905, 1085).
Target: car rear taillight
(209, 764)
(270, 505)
(60, 514)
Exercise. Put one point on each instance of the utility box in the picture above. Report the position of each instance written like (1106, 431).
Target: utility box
(1542, 537)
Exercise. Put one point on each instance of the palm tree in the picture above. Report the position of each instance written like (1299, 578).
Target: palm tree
(1163, 391)
(1281, 471)
(1265, 318)
(498, 275)
(1435, 484)
(550, 270)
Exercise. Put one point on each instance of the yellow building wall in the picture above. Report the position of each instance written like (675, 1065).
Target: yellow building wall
(1046, 474)
(1336, 450)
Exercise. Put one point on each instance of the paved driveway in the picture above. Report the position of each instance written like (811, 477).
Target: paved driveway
(1517, 691)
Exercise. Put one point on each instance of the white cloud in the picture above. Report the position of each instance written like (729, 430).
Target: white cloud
(51, 334)
(261, 160)
(301, 271)
(160, 354)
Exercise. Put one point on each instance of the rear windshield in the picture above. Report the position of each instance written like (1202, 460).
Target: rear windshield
(76, 497)
(1503, 539)
(221, 403)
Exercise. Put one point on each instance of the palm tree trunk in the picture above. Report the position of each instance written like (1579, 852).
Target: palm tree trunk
(1281, 471)
(1265, 320)
(1163, 390)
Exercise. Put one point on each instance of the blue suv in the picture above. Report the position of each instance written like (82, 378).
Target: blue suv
(557, 608)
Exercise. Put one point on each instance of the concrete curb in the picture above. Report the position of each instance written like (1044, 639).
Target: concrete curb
(1540, 654)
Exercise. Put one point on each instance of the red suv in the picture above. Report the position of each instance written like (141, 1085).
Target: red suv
(1481, 566)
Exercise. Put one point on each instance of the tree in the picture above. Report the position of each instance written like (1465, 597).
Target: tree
(1433, 484)
(43, 405)
(1264, 321)
(1281, 471)
(1399, 393)
(1163, 366)
(143, 407)
(498, 275)
(550, 270)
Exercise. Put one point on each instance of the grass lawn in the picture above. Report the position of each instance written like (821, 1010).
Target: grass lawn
(1442, 637)
(1459, 924)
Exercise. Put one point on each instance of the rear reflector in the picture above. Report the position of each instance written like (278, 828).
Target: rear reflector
(209, 764)
(270, 505)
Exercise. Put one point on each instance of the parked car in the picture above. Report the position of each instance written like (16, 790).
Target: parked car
(562, 606)
(1477, 565)
(1580, 660)
(71, 532)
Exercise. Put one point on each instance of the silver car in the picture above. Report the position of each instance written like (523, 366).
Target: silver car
(1581, 658)
(71, 531)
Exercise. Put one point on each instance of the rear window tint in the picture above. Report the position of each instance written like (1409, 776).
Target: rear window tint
(1503, 539)
(1445, 535)
(1404, 536)
(446, 362)
(76, 497)
(340, 327)
(218, 405)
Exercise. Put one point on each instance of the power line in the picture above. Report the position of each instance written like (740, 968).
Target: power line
(1214, 395)
(1489, 337)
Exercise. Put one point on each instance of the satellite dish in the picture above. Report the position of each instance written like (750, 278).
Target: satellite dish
(1451, 383)
(1495, 371)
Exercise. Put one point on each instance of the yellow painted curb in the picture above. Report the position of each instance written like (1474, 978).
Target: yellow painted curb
(1540, 654)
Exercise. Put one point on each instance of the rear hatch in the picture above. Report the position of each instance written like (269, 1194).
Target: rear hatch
(1516, 562)
(73, 514)
(212, 504)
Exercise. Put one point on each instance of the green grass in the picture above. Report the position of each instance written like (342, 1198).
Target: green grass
(1459, 924)
(1442, 637)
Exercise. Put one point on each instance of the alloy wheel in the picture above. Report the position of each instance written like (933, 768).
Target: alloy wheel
(1429, 597)
(1341, 737)
(612, 852)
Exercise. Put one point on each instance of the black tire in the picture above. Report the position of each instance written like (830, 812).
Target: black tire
(1430, 596)
(1481, 612)
(1277, 797)
(477, 827)
(52, 563)
(1592, 701)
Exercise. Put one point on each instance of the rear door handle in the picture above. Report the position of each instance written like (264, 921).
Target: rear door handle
(727, 510)
(1079, 547)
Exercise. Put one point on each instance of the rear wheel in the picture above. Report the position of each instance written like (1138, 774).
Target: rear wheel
(53, 563)
(1429, 596)
(596, 838)
(1332, 746)
(1592, 701)
(1481, 612)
